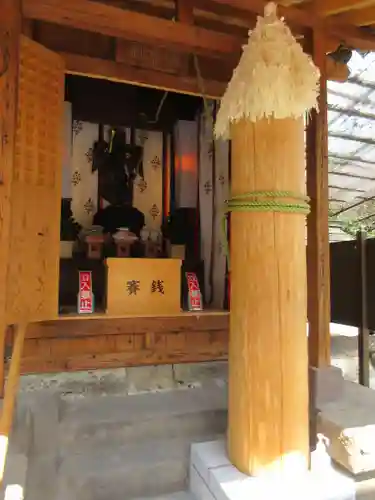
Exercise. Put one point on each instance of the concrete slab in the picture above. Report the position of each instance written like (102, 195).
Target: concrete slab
(148, 469)
(198, 487)
(225, 482)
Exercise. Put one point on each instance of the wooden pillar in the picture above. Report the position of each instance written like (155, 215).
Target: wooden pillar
(268, 368)
(185, 11)
(318, 265)
(10, 28)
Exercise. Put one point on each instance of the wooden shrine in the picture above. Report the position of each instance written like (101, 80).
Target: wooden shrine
(185, 46)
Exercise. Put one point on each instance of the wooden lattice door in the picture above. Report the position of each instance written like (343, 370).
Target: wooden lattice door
(33, 270)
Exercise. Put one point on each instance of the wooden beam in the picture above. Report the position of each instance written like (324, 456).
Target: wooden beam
(28, 27)
(185, 11)
(318, 260)
(330, 7)
(359, 17)
(115, 22)
(335, 71)
(70, 344)
(350, 35)
(101, 68)
(10, 29)
(112, 21)
(153, 58)
(147, 56)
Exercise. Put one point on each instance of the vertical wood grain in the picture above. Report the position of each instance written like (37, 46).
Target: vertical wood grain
(318, 260)
(268, 386)
(10, 28)
(185, 11)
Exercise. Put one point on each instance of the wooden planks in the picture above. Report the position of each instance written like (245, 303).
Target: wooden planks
(32, 280)
(110, 343)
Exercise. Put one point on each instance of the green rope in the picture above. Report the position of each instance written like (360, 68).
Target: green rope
(264, 201)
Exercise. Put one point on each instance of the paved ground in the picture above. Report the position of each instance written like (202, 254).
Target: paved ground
(345, 354)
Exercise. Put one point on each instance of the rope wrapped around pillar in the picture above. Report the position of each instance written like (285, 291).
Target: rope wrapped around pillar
(262, 113)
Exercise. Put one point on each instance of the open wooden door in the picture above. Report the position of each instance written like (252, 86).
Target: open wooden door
(34, 203)
(34, 243)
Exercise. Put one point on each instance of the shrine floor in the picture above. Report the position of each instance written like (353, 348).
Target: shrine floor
(76, 343)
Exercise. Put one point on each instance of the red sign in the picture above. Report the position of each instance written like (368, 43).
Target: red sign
(85, 295)
(194, 291)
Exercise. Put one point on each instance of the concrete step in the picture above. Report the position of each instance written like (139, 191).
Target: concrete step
(179, 495)
(15, 475)
(145, 469)
(17, 458)
(118, 420)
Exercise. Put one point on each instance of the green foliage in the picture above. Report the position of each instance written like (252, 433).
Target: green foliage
(354, 226)
(359, 218)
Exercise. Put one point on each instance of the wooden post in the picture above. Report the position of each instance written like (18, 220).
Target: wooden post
(363, 333)
(11, 389)
(318, 271)
(10, 29)
(268, 366)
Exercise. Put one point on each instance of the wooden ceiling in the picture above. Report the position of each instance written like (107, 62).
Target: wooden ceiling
(229, 14)
(340, 19)
(161, 35)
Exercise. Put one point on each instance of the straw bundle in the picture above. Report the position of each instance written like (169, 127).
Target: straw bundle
(274, 78)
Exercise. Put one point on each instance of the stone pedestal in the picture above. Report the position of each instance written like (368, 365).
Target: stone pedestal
(213, 477)
(348, 422)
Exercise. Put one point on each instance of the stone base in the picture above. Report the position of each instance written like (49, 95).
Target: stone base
(213, 477)
(349, 425)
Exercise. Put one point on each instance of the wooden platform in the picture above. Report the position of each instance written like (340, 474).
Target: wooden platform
(73, 342)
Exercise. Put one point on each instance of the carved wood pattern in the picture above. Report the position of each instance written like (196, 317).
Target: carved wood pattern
(32, 276)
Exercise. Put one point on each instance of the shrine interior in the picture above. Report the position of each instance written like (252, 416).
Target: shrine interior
(143, 179)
